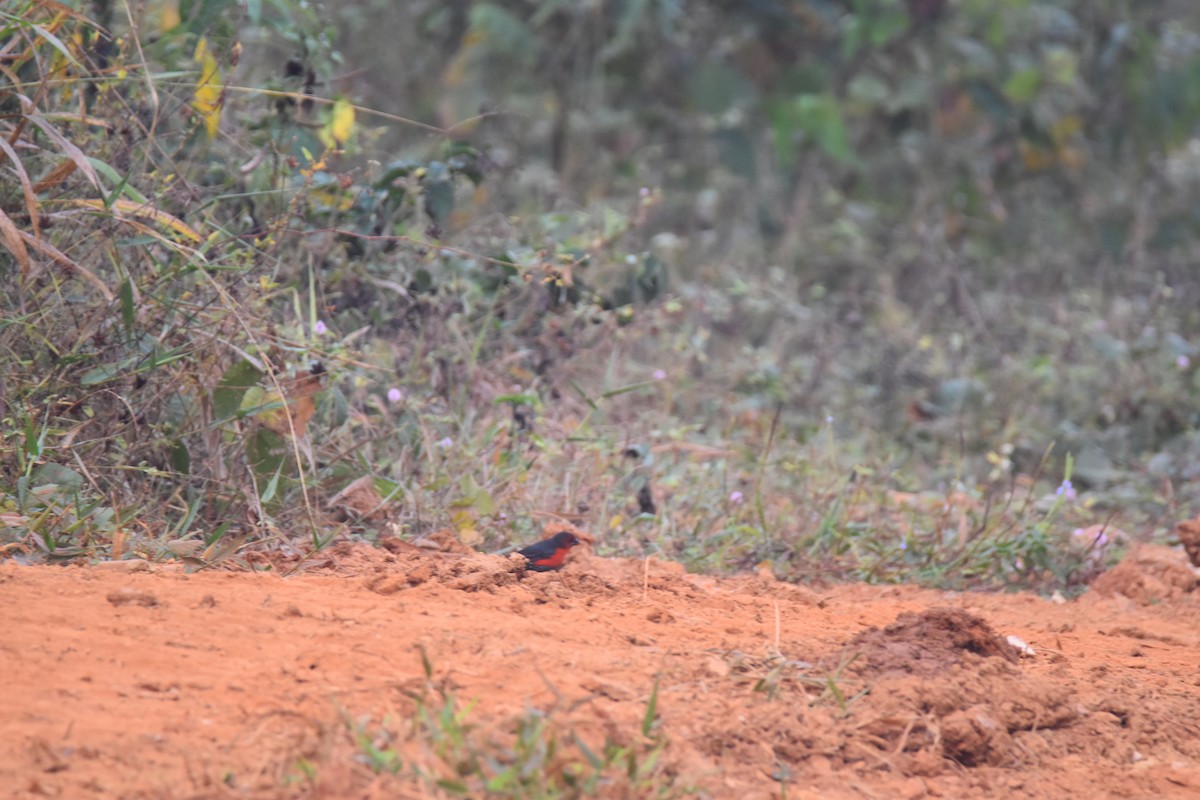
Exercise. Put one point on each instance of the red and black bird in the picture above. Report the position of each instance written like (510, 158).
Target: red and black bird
(549, 553)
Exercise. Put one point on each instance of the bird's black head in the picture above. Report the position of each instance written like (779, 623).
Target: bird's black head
(564, 539)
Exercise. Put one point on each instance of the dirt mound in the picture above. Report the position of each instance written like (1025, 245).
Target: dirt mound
(1188, 532)
(376, 672)
(928, 643)
(1148, 575)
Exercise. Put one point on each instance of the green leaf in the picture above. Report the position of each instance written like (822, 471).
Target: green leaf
(518, 399)
(57, 44)
(439, 200)
(62, 477)
(784, 127)
(1022, 86)
(592, 759)
(651, 715)
(120, 182)
(126, 294)
(820, 116)
(503, 32)
(1062, 65)
(227, 397)
(715, 88)
(453, 785)
(272, 487)
(475, 496)
(735, 147)
(266, 451)
(868, 90)
(181, 458)
(502, 781)
(100, 374)
(395, 170)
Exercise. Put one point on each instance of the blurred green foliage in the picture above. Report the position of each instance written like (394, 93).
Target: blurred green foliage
(1014, 138)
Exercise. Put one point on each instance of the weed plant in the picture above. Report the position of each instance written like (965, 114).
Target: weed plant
(438, 749)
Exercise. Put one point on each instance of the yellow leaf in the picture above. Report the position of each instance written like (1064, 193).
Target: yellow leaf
(128, 210)
(340, 127)
(168, 15)
(1065, 128)
(208, 97)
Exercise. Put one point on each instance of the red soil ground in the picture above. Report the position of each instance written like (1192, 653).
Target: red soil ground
(134, 680)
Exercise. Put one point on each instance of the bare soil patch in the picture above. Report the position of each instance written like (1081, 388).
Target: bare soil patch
(135, 680)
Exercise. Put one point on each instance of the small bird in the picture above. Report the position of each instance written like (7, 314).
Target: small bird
(549, 553)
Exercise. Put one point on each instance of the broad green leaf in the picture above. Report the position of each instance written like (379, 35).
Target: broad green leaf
(439, 199)
(64, 478)
(820, 116)
(181, 458)
(1022, 86)
(227, 397)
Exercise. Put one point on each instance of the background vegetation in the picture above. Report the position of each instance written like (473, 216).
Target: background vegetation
(840, 288)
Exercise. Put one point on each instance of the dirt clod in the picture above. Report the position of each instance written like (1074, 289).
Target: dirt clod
(127, 596)
(928, 643)
(1149, 574)
(1188, 532)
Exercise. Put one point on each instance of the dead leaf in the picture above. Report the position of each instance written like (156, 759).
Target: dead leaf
(360, 497)
(446, 540)
(54, 177)
(14, 243)
(300, 406)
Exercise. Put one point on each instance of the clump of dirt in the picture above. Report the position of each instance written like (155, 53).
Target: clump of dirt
(928, 643)
(942, 685)
(1188, 532)
(466, 573)
(398, 566)
(1149, 574)
(973, 715)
